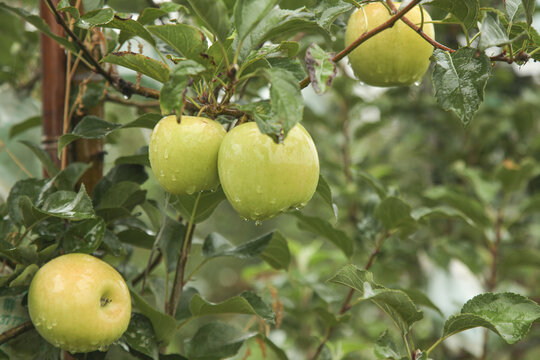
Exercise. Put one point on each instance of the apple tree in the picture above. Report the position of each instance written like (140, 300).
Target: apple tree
(269, 179)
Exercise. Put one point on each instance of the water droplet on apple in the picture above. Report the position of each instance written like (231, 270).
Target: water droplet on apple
(103, 348)
(49, 326)
(166, 155)
(161, 173)
(126, 97)
(173, 178)
(273, 201)
(244, 218)
(237, 199)
(258, 222)
(190, 190)
(417, 83)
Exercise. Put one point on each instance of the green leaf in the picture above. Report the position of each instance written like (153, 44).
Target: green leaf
(140, 336)
(397, 304)
(148, 15)
(281, 355)
(459, 80)
(146, 121)
(248, 13)
(285, 99)
(214, 341)
(321, 69)
(84, 237)
(136, 237)
(492, 32)
(395, 214)
(468, 205)
(126, 194)
(170, 242)
(40, 24)
(246, 303)
(163, 324)
(90, 127)
(65, 6)
(130, 28)
(119, 173)
(25, 277)
(182, 311)
(373, 183)
(528, 6)
(140, 63)
(43, 157)
(464, 11)
(27, 124)
(68, 178)
(323, 189)
(21, 254)
(34, 189)
(279, 23)
(385, 348)
(326, 11)
(277, 253)
(323, 228)
(424, 214)
(514, 177)
(171, 94)
(98, 17)
(208, 202)
(186, 40)
(513, 258)
(69, 205)
(508, 315)
(213, 14)
(512, 8)
(419, 298)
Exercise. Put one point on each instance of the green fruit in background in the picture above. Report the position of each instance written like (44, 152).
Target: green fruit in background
(79, 303)
(394, 57)
(261, 178)
(184, 156)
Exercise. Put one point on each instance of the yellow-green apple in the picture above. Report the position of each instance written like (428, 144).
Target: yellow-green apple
(79, 303)
(184, 155)
(261, 178)
(396, 56)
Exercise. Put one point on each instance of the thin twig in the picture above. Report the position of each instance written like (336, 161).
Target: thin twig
(130, 102)
(152, 266)
(522, 56)
(347, 303)
(16, 331)
(178, 284)
(125, 87)
(366, 36)
(492, 280)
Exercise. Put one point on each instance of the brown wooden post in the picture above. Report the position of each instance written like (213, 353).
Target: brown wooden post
(53, 83)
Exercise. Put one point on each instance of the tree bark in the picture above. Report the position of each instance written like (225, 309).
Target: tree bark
(53, 85)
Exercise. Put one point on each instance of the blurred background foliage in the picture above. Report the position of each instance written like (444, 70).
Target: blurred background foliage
(368, 139)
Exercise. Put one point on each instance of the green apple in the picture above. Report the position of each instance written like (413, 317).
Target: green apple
(184, 155)
(261, 178)
(79, 303)
(396, 56)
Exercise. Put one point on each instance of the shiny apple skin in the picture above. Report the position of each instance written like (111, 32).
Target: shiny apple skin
(79, 303)
(261, 178)
(183, 156)
(397, 56)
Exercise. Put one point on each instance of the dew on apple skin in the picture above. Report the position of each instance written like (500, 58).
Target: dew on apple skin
(190, 190)
(244, 218)
(237, 199)
(103, 347)
(417, 83)
(258, 222)
(166, 154)
(273, 201)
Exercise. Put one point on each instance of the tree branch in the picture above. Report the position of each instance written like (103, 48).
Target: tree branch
(125, 87)
(16, 331)
(366, 36)
(347, 303)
